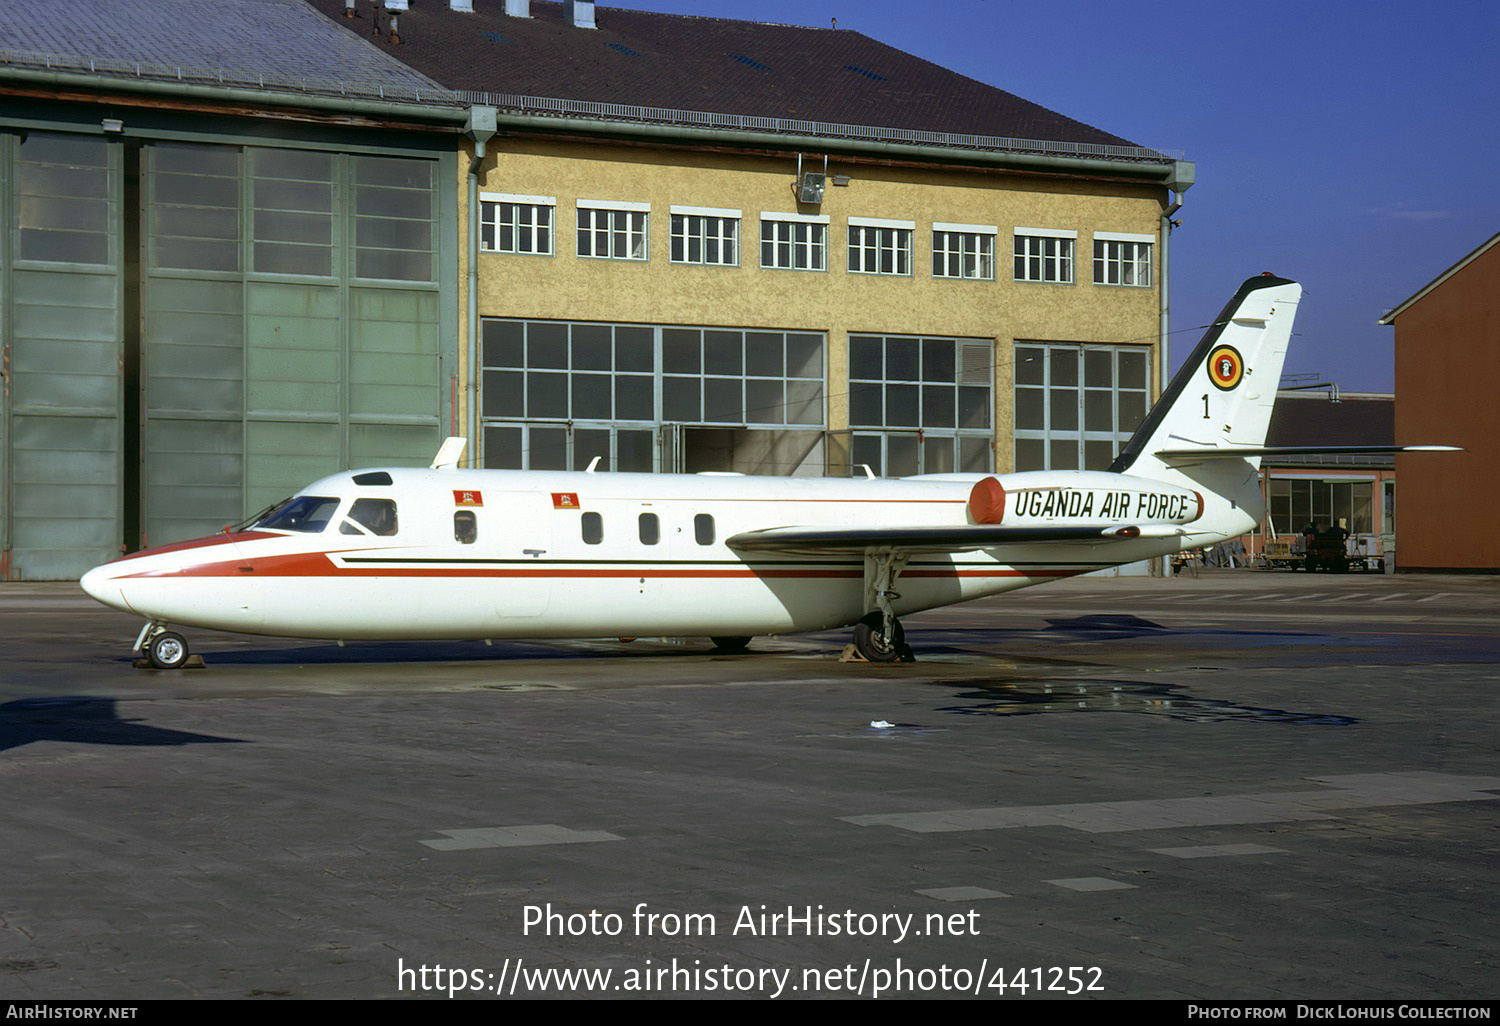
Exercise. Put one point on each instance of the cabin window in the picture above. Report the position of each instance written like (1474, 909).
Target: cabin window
(650, 529)
(703, 529)
(465, 527)
(306, 513)
(370, 516)
(593, 528)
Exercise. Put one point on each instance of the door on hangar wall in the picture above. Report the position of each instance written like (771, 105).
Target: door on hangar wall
(208, 329)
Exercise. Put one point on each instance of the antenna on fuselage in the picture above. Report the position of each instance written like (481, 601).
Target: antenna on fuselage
(450, 453)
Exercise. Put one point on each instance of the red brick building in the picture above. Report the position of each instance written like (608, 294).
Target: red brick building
(1447, 362)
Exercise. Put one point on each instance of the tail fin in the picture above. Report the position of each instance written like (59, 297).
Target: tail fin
(1221, 397)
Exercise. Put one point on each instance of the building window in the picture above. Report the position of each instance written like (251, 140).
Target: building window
(66, 206)
(195, 207)
(517, 224)
(1045, 255)
(1076, 406)
(709, 237)
(613, 231)
(921, 405)
(394, 229)
(751, 378)
(1297, 502)
(963, 251)
(556, 394)
(1122, 259)
(792, 242)
(880, 247)
(292, 195)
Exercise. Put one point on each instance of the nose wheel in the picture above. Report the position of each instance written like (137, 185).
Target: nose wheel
(163, 649)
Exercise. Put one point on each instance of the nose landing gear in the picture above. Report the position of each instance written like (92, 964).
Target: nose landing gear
(163, 649)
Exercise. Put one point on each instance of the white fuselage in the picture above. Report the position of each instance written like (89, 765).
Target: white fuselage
(491, 554)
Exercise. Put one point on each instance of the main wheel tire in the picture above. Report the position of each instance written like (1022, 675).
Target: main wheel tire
(731, 645)
(871, 641)
(167, 651)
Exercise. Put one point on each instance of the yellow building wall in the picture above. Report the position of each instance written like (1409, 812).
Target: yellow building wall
(836, 302)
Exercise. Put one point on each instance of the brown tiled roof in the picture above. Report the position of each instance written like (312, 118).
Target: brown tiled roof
(1312, 419)
(715, 65)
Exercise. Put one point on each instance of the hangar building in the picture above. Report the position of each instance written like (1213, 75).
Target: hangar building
(252, 244)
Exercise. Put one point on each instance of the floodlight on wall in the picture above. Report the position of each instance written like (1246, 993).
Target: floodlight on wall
(112, 125)
(809, 184)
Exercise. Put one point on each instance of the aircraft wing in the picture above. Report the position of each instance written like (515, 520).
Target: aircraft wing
(1239, 452)
(956, 538)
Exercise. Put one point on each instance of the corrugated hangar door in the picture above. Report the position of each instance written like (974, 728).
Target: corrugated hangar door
(60, 310)
(196, 330)
(290, 329)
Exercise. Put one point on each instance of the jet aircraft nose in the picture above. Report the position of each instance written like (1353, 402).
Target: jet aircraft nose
(103, 585)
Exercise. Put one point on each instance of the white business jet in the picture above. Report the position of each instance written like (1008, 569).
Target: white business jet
(406, 553)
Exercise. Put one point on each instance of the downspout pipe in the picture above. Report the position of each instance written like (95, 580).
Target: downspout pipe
(1181, 180)
(480, 128)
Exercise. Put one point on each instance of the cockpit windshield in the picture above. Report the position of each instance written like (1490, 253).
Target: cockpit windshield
(306, 513)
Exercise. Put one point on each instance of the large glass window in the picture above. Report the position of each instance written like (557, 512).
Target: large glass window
(921, 405)
(555, 394)
(1076, 405)
(1297, 502)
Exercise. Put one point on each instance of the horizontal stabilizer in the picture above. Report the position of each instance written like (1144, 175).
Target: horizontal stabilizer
(1243, 452)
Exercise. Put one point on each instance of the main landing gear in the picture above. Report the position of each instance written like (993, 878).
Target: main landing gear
(878, 636)
(163, 649)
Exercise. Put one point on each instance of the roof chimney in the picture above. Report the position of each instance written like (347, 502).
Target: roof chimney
(581, 13)
(518, 8)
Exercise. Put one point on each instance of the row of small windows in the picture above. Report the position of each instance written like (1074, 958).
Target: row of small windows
(648, 528)
(792, 242)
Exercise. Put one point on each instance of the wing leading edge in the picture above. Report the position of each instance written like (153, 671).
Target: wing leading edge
(1240, 452)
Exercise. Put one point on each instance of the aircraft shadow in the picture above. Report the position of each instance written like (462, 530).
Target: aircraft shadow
(1033, 697)
(88, 721)
(449, 652)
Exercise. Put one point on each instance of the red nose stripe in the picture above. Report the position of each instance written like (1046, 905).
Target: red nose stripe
(199, 543)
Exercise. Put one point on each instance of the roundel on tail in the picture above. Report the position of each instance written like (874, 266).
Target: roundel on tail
(1226, 367)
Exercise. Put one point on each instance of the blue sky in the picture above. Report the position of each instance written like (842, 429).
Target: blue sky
(1353, 145)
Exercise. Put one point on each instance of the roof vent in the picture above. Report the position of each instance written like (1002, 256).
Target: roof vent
(518, 8)
(581, 13)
